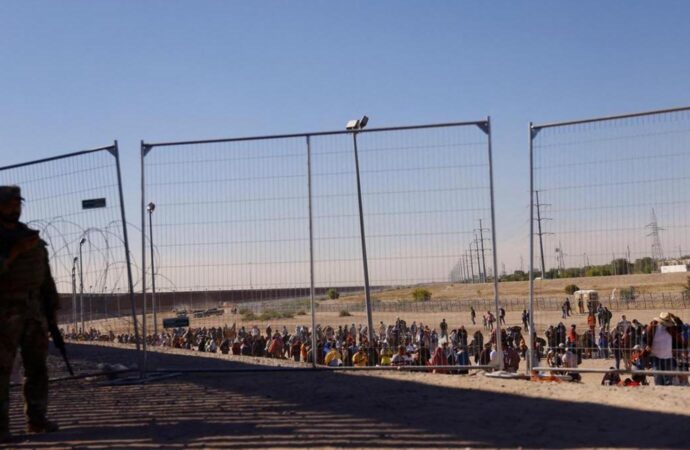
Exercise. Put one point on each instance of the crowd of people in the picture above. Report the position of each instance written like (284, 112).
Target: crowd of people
(660, 345)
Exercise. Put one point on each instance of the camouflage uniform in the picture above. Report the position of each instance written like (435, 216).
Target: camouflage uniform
(25, 283)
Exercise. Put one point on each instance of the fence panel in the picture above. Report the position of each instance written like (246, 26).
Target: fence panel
(234, 225)
(610, 204)
(229, 236)
(75, 201)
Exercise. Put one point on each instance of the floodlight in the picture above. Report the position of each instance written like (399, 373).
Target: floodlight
(357, 124)
(352, 125)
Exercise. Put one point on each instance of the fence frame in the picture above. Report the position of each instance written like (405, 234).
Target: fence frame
(483, 125)
(534, 130)
(115, 152)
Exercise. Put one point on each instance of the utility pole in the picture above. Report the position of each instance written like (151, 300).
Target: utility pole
(481, 238)
(467, 267)
(541, 234)
(463, 265)
(471, 263)
(482, 276)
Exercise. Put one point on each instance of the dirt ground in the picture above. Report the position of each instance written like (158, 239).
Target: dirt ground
(306, 409)
(643, 283)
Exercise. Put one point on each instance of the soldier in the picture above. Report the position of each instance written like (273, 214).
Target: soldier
(25, 284)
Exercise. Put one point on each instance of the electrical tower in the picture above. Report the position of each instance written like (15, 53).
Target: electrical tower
(657, 252)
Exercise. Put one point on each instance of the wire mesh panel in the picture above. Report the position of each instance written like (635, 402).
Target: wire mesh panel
(75, 202)
(244, 232)
(427, 217)
(611, 237)
(230, 240)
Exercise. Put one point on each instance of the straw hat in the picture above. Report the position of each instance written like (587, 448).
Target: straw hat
(665, 319)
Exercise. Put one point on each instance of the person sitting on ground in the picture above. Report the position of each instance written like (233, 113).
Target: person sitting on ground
(639, 361)
(440, 358)
(360, 359)
(400, 358)
(511, 359)
(236, 347)
(423, 355)
(334, 358)
(386, 355)
(611, 378)
(463, 358)
(570, 362)
(485, 355)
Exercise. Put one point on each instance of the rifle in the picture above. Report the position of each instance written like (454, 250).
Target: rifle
(59, 343)
(49, 298)
(25, 240)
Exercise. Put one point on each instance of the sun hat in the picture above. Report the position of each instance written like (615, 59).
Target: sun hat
(665, 319)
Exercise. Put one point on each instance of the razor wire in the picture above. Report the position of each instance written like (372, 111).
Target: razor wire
(74, 201)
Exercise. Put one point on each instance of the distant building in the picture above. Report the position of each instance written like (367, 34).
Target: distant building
(674, 268)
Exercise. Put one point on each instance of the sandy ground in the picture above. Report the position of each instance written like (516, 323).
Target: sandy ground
(309, 409)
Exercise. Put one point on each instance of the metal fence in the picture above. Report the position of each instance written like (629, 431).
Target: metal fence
(75, 201)
(609, 196)
(247, 234)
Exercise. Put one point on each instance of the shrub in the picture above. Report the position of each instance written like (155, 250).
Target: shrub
(571, 288)
(628, 293)
(301, 312)
(421, 295)
(332, 294)
(344, 313)
(248, 315)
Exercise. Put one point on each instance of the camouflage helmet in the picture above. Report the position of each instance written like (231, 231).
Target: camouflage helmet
(8, 193)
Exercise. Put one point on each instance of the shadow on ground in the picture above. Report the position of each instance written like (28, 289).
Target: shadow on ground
(322, 409)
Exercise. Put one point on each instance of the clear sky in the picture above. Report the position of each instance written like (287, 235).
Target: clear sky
(79, 74)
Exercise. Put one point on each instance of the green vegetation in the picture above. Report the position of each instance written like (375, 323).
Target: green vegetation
(269, 314)
(686, 288)
(618, 266)
(628, 293)
(421, 295)
(571, 288)
(332, 294)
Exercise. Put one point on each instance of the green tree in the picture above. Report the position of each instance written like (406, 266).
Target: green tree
(621, 266)
(421, 295)
(571, 288)
(332, 294)
(645, 265)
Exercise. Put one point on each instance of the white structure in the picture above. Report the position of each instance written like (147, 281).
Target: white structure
(674, 268)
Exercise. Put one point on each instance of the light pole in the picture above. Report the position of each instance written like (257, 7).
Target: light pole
(150, 208)
(91, 306)
(81, 284)
(355, 126)
(74, 293)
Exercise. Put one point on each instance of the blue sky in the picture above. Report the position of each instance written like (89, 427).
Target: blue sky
(79, 74)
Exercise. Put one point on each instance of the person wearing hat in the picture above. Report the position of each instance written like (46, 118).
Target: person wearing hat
(662, 337)
(25, 284)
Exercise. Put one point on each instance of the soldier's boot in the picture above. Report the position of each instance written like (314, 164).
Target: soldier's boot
(43, 426)
(34, 347)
